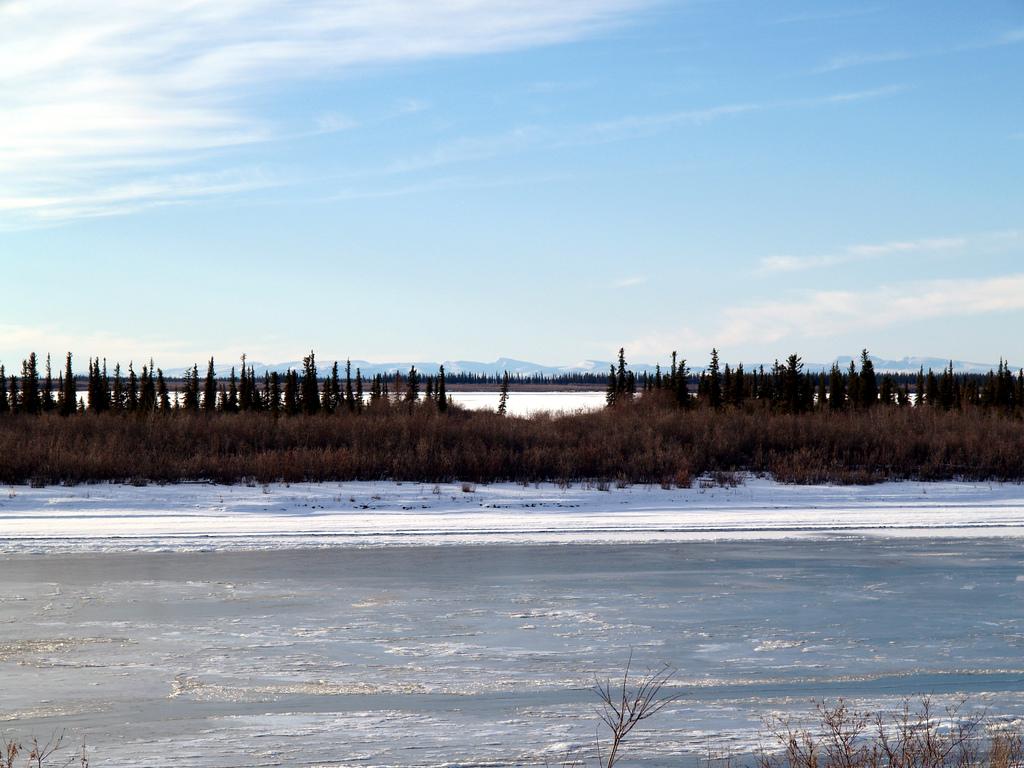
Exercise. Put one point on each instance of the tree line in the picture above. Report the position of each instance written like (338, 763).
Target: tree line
(787, 387)
(292, 393)
(784, 387)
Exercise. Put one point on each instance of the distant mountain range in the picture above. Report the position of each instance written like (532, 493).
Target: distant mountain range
(914, 364)
(526, 368)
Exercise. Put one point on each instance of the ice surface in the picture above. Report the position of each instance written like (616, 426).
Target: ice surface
(216, 626)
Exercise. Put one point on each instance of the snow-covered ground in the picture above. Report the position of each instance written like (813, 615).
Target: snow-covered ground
(191, 516)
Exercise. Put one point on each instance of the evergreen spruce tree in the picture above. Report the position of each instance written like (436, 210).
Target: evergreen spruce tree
(231, 403)
(335, 387)
(359, 388)
(932, 390)
(48, 402)
(147, 390)
(31, 402)
(274, 394)
(15, 395)
(919, 387)
(714, 383)
(350, 398)
(68, 396)
(868, 383)
(326, 397)
(612, 392)
(681, 382)
(5, 402)
(792, 385)
(246, 389)
(104, 393)
(887, 392)
(310, 392)
(162, 395)
(210, 388)
(946, 386)
(191, 397)
(292, 404)
(442, 391)
(376, 389)
(903, 396)
(503, 396)
(622, 376)
(836, 389)
(117, 400)
(412, 390)
(258, 396)
(92, 388)
(853, 385)
(739, 386)
(95, 401)
(132, 391)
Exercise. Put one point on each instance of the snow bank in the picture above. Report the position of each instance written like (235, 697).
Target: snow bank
(191, 516)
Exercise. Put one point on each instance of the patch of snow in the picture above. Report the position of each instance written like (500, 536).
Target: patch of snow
(193, 515)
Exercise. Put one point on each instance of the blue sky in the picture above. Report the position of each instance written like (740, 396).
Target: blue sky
(393, 179)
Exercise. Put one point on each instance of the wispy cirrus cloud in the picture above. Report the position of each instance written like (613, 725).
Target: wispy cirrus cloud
(865, 58)
(838, 14)
(846, 61)
(130, 196)
(97, 95)
(477, 148)
(990, 242)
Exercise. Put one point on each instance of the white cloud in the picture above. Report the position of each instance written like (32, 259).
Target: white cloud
(822, 314)
(860, 59)
(628, 282)
(871, 93)
(98, 89)
(331, 122)
(990, 242)
(130, 196)
(846, 61)
(826, 15)
(855, 253)
(827, 314)
(19, 340)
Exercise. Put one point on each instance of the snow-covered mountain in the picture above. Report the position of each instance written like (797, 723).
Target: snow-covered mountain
(914, 364)
(427, 368)
(526, 368)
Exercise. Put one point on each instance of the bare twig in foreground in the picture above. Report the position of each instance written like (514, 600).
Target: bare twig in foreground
(625, 705)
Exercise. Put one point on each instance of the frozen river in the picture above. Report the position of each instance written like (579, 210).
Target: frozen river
(482, 654)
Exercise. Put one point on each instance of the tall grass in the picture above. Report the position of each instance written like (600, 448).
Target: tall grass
(640, 443)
